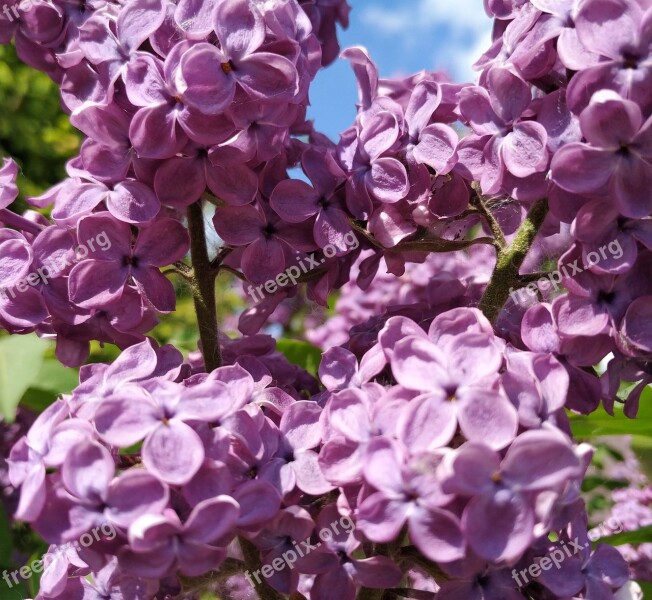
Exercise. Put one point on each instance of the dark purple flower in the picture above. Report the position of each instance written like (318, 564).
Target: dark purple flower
(210, 75)
(295, 201)
(270, 242)
(161, 544)
(101, 280)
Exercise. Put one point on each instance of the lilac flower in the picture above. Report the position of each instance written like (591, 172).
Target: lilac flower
(636, 326)
(353, 420)
(137, 363)
(101, 43)
(540, 333)
(325, 15)
(211, 75)
(91, 497)
(596, 302)
(617, 157)
(101, 280)
(374, 172)
(46, 445)
(181, 180)
(617, 38)
(129, 201)
(339, 369)
(263, 129)
(459, 372)
(18, 309)
(431, 144)
(295, 201)
(474, 579)
(598, 573)
(161, 544)
(339, 574)
(500, 518)
(597, 225)
(194, 18)
(108, 154)
(62, 573)
(408, 491)
(267, 238)
(160, 418)
(506, 141)
(292, 527)
(301, 435)
(537, 384)
(8, 188)
(111, 583)
(164, 123)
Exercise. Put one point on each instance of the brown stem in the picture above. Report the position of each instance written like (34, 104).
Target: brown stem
(412, 555)
(197, 585)
(251, 557)
(483, 208)
(441, 245)
(509, 261)
(203, 289)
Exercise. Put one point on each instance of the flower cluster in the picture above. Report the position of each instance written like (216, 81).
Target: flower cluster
(563, 89)
(175, 100)
(466, 451)
(177, 463)
(439, 424)
(462, 451)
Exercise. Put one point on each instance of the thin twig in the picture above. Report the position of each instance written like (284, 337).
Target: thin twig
(252, 562)
(480, 203)
(203, 289)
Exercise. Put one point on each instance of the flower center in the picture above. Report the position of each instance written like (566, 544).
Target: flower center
(130, 261)
(623, 150)
(630, 61)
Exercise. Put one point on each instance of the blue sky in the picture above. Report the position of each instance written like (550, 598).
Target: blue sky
(402, 36)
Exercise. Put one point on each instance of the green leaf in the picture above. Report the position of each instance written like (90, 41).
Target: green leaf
(21, 358)
(301, 353)
(53, 379)
(640, 536)
(646, 586)
(642, 446)
(16, 592)
(601, 423)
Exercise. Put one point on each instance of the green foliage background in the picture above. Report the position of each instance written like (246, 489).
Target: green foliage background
(33, 128)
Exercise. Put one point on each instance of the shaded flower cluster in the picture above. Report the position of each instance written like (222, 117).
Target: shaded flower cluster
(175, 100)
(563, 88)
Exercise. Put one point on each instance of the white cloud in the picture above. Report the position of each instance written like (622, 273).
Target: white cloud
(467, 29)
(463, 14)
